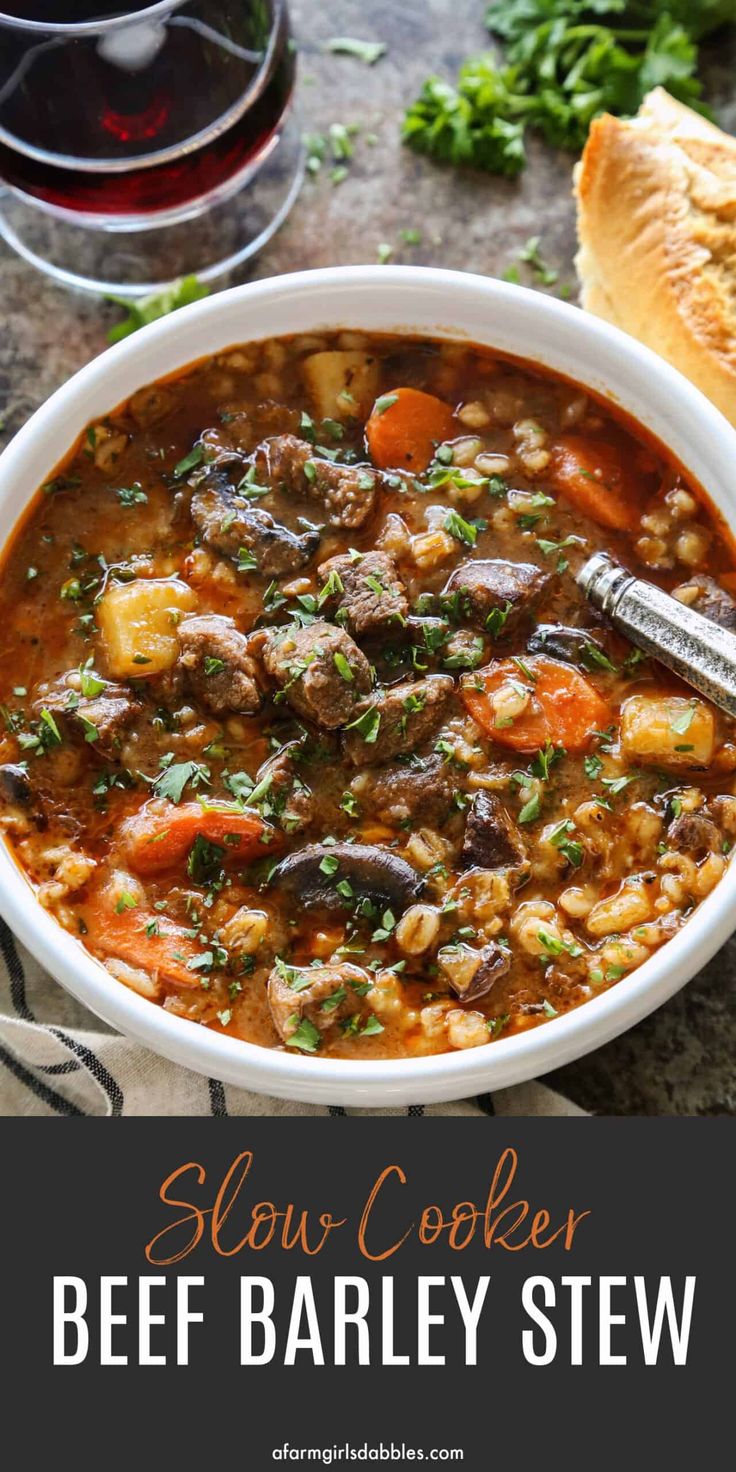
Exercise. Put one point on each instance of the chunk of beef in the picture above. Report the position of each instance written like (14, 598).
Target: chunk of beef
(287, 798)
(572, 646)
(421, 789)
(496, 593)
(396, 720)
(695, 835)
(373, 598)
(710, 599)
(229, 524)
(469, 982)
(322, 672)
(15, 784)
(492, 839)
(219, 669)
(243, 429)
(100, 719)
(347, 493)
(321, 995)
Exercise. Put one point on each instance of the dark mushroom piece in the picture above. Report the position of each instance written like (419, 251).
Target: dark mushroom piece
(572, 646)
(492, 839)
(312, 875)
(230, 525)
(15, 784)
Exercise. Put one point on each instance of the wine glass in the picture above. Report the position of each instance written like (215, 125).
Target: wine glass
(142, 145)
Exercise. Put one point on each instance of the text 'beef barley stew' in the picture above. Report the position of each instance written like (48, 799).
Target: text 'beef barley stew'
(308, 733)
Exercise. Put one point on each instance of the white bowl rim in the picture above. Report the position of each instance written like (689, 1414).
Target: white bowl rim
(444, 1076)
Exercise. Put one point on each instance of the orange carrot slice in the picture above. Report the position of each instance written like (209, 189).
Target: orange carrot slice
(143, 938)
(565, 707)
(591, 474)
(404, 428)
(161, 834)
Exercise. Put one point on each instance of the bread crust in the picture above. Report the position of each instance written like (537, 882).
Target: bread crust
(656, 198)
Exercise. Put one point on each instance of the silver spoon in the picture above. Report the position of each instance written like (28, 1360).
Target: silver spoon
(697, 649)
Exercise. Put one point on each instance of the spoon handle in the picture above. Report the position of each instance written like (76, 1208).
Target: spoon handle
(697, 649)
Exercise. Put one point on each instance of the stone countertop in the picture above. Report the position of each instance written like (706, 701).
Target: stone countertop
(680, 1060)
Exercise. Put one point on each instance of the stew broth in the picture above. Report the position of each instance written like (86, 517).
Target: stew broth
(309, 735)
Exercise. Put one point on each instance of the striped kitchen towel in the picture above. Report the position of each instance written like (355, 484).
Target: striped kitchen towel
(56, 1058)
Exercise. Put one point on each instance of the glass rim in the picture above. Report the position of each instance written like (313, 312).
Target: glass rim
(90, 27)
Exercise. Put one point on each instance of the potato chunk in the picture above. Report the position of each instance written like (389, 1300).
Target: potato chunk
(668, 730)
(138, 623)
(342, 385)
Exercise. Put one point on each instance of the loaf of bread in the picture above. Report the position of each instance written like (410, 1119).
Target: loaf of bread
(656, 199)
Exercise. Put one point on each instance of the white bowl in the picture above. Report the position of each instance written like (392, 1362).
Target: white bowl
(378, 298)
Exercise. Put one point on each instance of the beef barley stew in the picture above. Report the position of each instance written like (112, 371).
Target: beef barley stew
(309, 735)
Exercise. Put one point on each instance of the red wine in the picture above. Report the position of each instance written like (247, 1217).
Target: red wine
(140, 118)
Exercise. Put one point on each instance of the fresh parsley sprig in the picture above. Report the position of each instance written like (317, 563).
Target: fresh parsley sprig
(566, 62)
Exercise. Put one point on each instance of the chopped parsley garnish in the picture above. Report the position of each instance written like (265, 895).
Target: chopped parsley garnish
(91, 732)
(189, 462)
(617, 784)
(566, 61)
(497, 618)
(249, 488)
(560, 839)
(548, 548)
(131, 495)
(125, 901)
(205, 861)
(386, 928)
(462, 530)
(342, 666)
(595, 659)
(496, 1025)
(330, 589)
(682, 723)
(530, 254)
(385, 402)
(171, 782)
(246, 561)
(306, 1037)
(367, 725)
(90, 683)
(467, 658)
(531, 809)
(367, 51)
(371, 1028)
(159, 304)
(545, 759)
